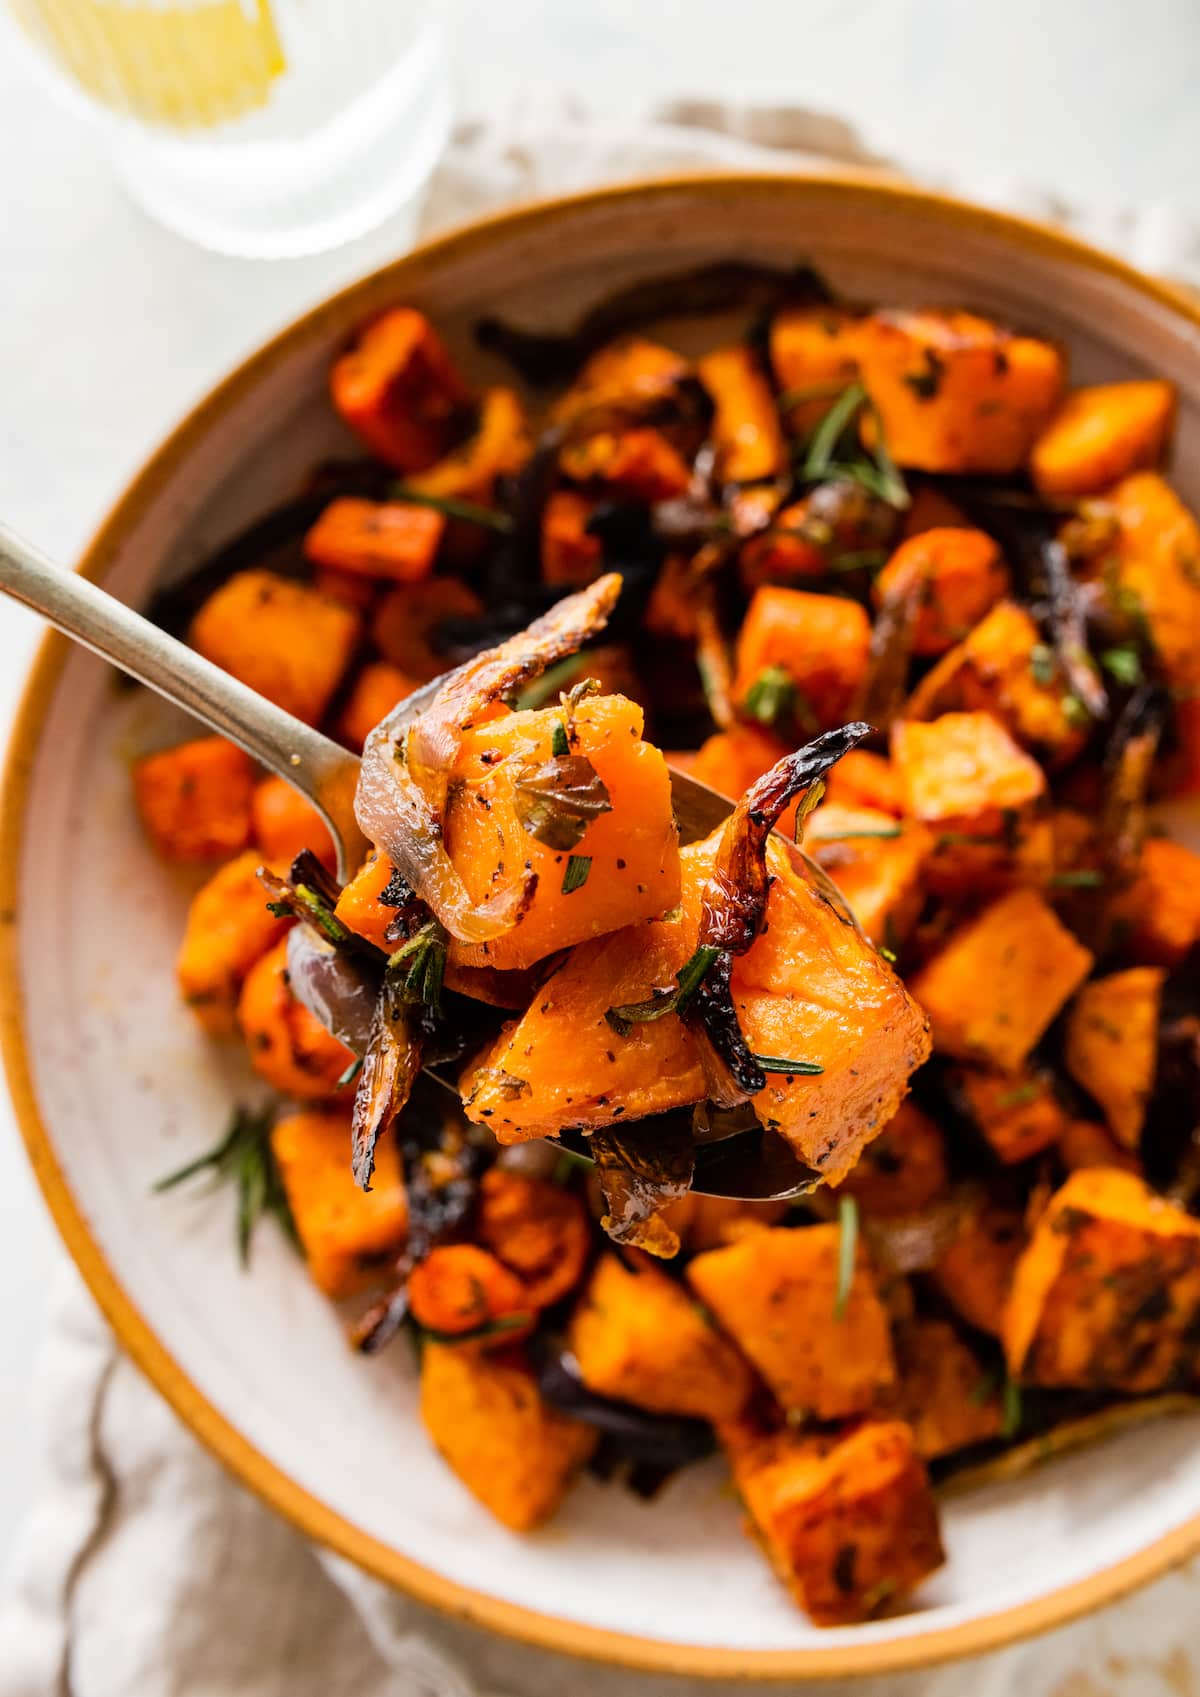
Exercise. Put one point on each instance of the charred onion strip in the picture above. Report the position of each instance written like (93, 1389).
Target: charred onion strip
(403, 785)
(641, 1169)
(886, 684)
(733, 905)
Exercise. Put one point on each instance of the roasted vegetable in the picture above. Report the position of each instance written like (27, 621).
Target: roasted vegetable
(955, 577)
(393, 540)
(1154, 582)
(285, 640)
(195, 799)
(288, 1046)
(638, 1337)
(538, 1229)
(1101, 434)
(1111, 1044)
(493, 1428)
(1107, 1294)
(348, 1236)
(229, 927)
(284, 824)
(904, 1169)
(944, 1391)
(1018, 1113)
(398, 390)
(462, 1292)
(800, 660)
(746, 435)
(974, 1272)
(1158, 915)
(848, 1519)
(814, 1328)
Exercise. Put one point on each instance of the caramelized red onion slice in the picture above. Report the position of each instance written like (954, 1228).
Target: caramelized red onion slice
(406, 766)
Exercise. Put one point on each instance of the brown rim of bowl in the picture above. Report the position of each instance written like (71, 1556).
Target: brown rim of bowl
(311, 1516)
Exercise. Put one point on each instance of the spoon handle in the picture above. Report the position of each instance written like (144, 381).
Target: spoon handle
(322, 771)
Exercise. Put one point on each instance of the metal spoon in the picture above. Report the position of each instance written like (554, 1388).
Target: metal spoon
(323, 771)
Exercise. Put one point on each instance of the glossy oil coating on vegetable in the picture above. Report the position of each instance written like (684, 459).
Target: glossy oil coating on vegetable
(929, 617)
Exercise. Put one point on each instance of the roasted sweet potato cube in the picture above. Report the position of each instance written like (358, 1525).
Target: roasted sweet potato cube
(1111, 1045)
(1087, 1143)
(1159, 913)
(360, 904)
(284, 639)
(707, 1222)
(955, 392)
(1155, 577)
(228, 928)
(1008, 670)
(812, 347)
(631, 850)
(640, 463)
(194, 799)
(538, 1229)
(818, 644)
(408, 621)
(1018, 1113)
(467, 1297)
(627, 369)
(287, 1045)
(975, 1272)
(511, 1450)
(847, 1519)
(571, 556)
(497, 447)
(809, 988)
(730, 761)
(1100, 434)
(904, 1169)
(348, 1235)
(1000, 980)
(943, 1391)
(776, 1295)
(789, 550)
(863, 779)
(746, 433)
(284, 824)
(957, 575)
(392, 540)
(378, 688)
(1107, 1295)
(876, 862)
(963, 772)
(638, 1337)
(398, 390)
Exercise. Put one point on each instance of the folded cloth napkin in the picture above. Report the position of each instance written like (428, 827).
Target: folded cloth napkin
(145, 1571)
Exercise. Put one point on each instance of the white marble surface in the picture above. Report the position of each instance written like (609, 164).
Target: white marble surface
(109, 327)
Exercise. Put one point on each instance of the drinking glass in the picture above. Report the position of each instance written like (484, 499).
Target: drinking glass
(258, 127)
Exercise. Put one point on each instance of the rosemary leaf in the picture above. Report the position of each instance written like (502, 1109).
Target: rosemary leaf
(1010, 1423)
(1124, 664)
(777, 1063)
(470, 511)
(557, 801)
(1083, 879)
(576, 874)
(560, 742)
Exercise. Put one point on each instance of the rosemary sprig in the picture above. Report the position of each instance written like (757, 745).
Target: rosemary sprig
(779, 1063)
(847, 1250)
(470, 511)
(416, 970)
(677, 1000)
(774, 699)
(826, 457)
(245, 1159)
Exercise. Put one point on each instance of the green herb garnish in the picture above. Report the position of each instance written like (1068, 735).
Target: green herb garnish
(489, 1329)
(1075, 712)
(662, 1002)
(1010, 1420)
(1083, 879)
(319, 912)
(777, 1063)
(245, 1159)
(351, 1072)
(853, 836)
(470, 511)
(847, 1250)
(537, 693)
(1020, 1095)
(416, 970)
(557, 801)
(774, 699)
(576, 874)
(1124, 664)
(1043, 663)
(830, 455)
(560, 742)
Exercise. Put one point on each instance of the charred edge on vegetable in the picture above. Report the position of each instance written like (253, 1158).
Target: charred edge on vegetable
(641, 1169)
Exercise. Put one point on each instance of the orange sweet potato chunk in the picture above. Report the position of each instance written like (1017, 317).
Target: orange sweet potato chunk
(943, 1391)
(348, 1235)
(378, 688)
(957, 574)
(510, 1449)
(775, 1294)
(571, 556)
(730, 761)
(639, 1337)
(875, 862)
(1107, 1295)
(955, 392)
(284, 823)
(284, 639)
(460, 1288)
(1007, 670)
(359, 905)
(1111, 1045)
(821, 642)
(1157, 570)
(392, 540)
(745, 431)
(863, 779)
(540, 1230)
(1018, 1113)
(904, 1169)
(633, 849)
(1102, 433)
(1000, 980)
(398, 390)
(1159, 913)
(963, 769)
(813, 347)
(638, 462)
(848, 1519)
(498, 447)
(287, 1045)
(975, 1272)
(228, 928)
(409, 618)
(194, 799)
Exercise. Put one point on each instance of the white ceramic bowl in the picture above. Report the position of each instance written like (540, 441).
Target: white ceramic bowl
(115, 1085)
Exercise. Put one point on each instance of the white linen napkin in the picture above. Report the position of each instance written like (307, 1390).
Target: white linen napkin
(144, 1571)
